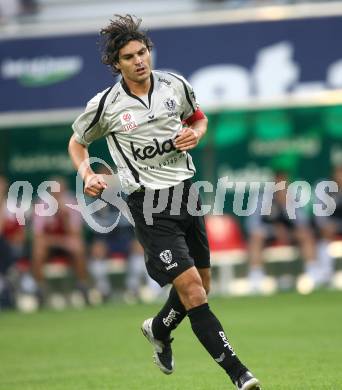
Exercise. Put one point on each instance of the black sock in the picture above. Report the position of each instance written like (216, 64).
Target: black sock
(210, 333)
(169, 317)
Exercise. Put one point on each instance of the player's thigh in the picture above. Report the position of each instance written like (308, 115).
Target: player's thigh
(165, 249)
(197, 242)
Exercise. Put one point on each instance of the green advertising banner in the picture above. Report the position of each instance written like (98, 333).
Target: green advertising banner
(40, 153)
(251, 145)
(244, 145)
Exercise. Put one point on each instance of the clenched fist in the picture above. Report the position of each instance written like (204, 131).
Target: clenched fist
(94, 184)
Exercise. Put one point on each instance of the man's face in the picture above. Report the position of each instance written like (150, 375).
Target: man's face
(134, 62)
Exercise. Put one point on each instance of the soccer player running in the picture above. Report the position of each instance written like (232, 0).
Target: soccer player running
(142, 119)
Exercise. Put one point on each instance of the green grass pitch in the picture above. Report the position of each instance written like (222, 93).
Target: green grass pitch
(290, 342)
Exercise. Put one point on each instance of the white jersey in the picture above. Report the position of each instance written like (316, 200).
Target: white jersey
(140, 130)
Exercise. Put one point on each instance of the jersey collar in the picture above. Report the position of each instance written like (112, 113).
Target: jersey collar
(129, 93)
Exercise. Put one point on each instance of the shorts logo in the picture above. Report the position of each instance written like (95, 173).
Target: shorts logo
(173, 265)
(170, 104)
(166, 256)
(128, 122)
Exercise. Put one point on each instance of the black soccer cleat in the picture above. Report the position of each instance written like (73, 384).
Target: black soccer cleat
(247, 382)
(162, 354)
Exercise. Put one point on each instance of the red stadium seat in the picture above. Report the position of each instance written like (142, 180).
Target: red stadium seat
(23, 264)
(227, 250)
(224, 233)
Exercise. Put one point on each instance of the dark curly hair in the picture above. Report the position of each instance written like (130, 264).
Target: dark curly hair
(117, 34)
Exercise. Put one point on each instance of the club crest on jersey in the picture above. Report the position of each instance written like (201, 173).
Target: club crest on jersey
(128, 122)
(170, 104)
(166, 256)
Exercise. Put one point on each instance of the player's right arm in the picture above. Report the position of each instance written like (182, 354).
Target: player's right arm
(87, 128)
(94, 183)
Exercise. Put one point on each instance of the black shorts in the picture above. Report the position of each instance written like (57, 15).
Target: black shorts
(172, 243)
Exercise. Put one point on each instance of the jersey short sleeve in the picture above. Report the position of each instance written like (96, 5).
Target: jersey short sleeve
(88, 127)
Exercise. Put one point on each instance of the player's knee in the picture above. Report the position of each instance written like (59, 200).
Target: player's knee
(195, 295)
(206, 286)
(205, 277)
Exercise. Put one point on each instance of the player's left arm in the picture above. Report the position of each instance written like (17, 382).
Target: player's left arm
(196, 127)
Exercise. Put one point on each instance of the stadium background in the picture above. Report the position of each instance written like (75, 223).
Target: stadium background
(269, 78)
(270, 88)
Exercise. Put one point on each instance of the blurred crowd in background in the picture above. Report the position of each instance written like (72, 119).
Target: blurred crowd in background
(31, 255)
(66, 242)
